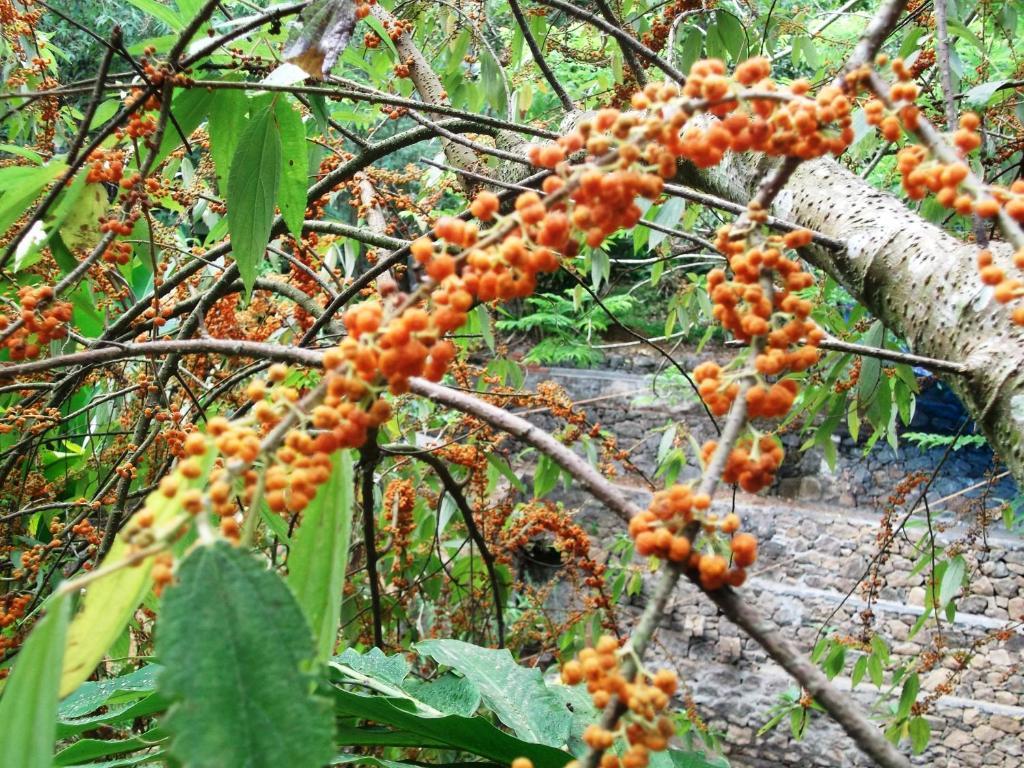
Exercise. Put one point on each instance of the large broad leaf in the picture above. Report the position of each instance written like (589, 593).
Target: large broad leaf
(253, 181)
(20, 185)
(448, 693)
(90, 749)
(470, 734)
(319, 555)
(291, 196)
(110, 601)
(517, 695)
(92, 695)
(235, 644)
(376, 664)
(326, 29)
(227, 116)
(28, 708)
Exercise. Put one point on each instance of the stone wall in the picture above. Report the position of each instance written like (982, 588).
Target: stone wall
(814, 550)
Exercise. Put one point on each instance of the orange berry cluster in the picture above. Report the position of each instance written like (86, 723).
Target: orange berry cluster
(661, 530)
(39, 326)
(778, 122)
(105, 165)
(13, 607)
(1006, 289)
(751, 464)
(118, 252)
(363, 8)
(646, 698)
(658, 530)
(409, 345)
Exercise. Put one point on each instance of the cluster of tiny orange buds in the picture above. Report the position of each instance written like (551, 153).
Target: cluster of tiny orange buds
(751, 464)
(646, 697)
(1005, 289)
(39, 326)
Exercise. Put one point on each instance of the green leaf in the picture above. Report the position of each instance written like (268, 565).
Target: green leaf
(920, 732)
(319, 555)
(836, 660)
(20, 185)
(486, 331)
(958, 29)
(90, 749)
(980, 95)
(110, 602)
(160, 11)
(81, 226)
(189, 107)
(28, 708)
(908, 695)
(90, 696)
(731, 32)
(451, 694)
(668, 215)
(227, 116)
(499, 463)
(871, 367)
(875, 671)
(859, 668)
(952, 579)
(492, 81)
(234, 644)
(693, 44)
(291, 195)
(376, 664)
(544, 476)
(253, 182)
(517, 695)
(472, 734)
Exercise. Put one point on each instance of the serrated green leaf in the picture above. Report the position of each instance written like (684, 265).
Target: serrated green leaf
(517, 695)
(291, 196)
(319, 554)
(28, 707)
(234, 645)
(253, 183)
